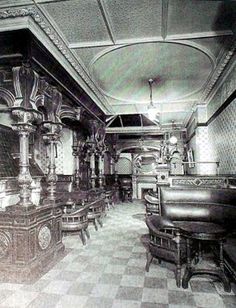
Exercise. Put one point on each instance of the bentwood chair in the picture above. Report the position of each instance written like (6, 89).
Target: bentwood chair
(151, 204)
(76, 220)
(165, 243)
(97, 211)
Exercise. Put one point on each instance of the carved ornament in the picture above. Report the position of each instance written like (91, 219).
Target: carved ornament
(26, 116)
(4, 245)
(217, 73)
(43, 23)
(44, 237)
(25, 82)
(51, 131)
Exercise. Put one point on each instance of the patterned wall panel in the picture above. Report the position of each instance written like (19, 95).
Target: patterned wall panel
(41, 154)
(59, 159)
(124, 166)
(223, 93)
(205, 153)
(222, 134)
(192, 145)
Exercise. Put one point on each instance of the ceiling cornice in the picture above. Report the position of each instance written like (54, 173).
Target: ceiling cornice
(218, 71)
(63, 55)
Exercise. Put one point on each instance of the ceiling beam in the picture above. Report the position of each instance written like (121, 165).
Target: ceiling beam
(164, 18)
(107, 21)
(111, 121)
(138, 130)
(121, 122)
(169, 38)
(141, 120)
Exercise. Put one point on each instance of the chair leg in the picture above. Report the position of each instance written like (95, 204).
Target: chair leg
(178, 265)
(87, 233)
(82, 236)
(178, 275)
(100, 222)
(149, 261)
(95, 225)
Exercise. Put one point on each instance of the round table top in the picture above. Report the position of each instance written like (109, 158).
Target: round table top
(201, 230)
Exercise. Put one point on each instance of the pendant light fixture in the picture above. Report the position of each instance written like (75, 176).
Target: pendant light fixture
(152, 113)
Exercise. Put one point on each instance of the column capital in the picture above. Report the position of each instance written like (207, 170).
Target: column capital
(26, 116)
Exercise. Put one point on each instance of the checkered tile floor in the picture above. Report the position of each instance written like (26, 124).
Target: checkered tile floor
(109, 272)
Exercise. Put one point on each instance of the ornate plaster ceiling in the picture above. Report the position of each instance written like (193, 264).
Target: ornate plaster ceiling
(119, 45)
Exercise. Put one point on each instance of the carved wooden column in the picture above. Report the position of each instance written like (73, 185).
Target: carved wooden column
(77, 151)
(92, 167)
(116, 158)
(112, 165)
(76, 154)
(24, 128)
(51, 136)
(101, 170)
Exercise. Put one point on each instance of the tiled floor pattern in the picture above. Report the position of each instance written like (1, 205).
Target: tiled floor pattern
(109, 273)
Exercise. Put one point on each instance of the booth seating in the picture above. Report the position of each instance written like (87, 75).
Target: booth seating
(189, 204)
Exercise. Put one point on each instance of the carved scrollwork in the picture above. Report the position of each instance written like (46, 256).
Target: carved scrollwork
(25, 118)
(4, 244)
(44, 237)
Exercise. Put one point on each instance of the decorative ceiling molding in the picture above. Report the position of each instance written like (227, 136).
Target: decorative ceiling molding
(218, 71)
(221, 81)
(153, 39)
(196, 35)
(42, 22)
(189, 44)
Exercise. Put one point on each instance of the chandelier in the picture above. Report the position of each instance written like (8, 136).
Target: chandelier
(152, 113)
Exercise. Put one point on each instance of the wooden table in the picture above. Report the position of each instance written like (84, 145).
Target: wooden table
(204, 232)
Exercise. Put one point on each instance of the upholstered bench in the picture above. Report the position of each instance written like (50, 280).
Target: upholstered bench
(204, 204)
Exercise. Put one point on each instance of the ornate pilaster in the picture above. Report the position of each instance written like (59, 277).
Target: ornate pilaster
(51, 136)
(24, 127)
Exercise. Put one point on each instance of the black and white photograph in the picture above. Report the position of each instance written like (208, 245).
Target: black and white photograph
(117, 153)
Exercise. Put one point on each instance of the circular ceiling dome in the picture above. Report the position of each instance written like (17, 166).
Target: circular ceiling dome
(178, 71)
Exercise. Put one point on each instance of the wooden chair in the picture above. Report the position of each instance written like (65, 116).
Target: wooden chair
(109, 199)
(165, 243)
(76, 220)
(126, 189)
(151, 204)
(97, 210)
